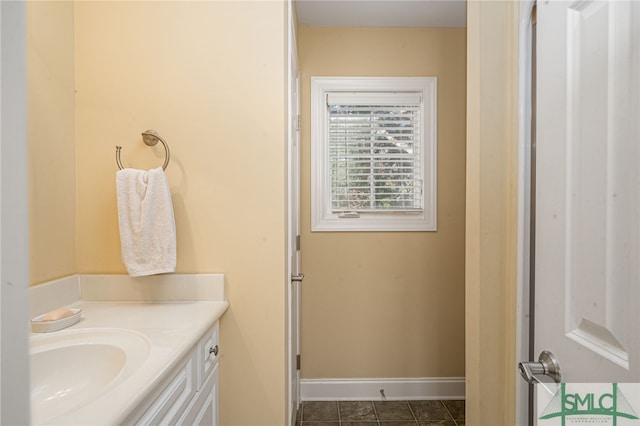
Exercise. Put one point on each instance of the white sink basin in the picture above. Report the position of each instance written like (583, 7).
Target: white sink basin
(72, 368)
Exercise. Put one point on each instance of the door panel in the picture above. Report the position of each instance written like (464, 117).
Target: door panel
(588, 189)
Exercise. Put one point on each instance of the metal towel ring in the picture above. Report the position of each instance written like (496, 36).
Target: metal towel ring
(151, 138)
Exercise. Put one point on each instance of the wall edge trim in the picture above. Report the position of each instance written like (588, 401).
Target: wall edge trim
(394, 389)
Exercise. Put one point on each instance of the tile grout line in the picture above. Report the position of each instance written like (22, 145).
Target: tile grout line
(449, 412)
(412, 413)
(375, 412)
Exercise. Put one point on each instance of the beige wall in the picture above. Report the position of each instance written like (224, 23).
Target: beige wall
(51, 140)
(491, 241)
(387, 304)
(211, 78)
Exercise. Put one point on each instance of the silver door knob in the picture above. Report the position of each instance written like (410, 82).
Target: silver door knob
(297, 278)
(547, 365)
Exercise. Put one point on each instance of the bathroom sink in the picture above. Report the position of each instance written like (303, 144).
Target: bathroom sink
(72, 368)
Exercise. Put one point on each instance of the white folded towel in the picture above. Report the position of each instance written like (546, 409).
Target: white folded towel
(147, 226)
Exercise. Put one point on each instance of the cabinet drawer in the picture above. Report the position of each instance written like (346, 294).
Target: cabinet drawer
(174, 396)
(208, 353)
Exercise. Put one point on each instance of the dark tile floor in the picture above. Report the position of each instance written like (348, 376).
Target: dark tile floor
(381, 413)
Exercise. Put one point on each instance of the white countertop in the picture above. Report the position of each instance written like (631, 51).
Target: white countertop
(171, 328)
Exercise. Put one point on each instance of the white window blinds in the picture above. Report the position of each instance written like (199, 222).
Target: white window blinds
(374, 146)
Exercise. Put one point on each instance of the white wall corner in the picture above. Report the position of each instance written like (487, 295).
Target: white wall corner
(394, 389)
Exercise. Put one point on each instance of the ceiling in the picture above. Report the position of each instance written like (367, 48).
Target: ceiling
(382, 13)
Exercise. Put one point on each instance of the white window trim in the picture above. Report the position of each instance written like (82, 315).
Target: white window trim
(322, 218)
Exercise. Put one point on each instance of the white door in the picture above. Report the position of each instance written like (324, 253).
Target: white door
(293, 249)
(587, 256)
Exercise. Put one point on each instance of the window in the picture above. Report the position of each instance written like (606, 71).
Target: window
(373, 154)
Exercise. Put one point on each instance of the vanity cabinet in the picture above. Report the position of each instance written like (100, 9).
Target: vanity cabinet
(189, 395)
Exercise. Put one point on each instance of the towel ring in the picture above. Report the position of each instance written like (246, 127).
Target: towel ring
(151, 138)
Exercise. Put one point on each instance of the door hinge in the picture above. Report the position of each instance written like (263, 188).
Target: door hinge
(298, 362)
(297, 242)
(297, 120)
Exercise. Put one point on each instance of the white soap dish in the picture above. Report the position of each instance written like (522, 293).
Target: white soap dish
(39, 326)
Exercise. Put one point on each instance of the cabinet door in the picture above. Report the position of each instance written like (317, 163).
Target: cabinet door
(214, 395)
(210, 410)
(204, 409)
(172, 399)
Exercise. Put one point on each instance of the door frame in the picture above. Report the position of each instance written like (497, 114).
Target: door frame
(14, 252)
(526, 215)
(293, 218)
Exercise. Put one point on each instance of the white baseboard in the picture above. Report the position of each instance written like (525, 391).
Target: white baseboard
(394, 389)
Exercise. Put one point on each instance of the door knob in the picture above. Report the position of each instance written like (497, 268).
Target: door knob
(297, 278)
(547, 365)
